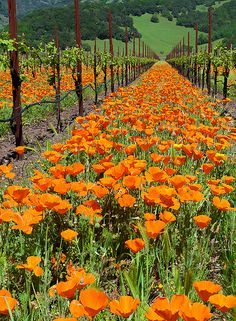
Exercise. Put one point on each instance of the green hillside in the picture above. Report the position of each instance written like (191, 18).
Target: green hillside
(163, 35)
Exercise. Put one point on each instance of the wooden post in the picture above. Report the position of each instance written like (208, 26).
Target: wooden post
(134, 54)
(95, 71)
(188, 44)
(139, 53)
(126, 56)
(105, 70)
(16, 124)
(58, 82)
(196, 41)
(209, 30)
(196, 51)
(111, 51)
(78, 82)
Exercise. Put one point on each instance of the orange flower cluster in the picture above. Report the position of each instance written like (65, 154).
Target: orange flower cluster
(36, 87)
(153, 155)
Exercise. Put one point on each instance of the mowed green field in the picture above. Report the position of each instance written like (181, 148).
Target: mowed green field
(162, 36)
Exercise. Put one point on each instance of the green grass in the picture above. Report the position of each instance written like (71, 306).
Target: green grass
(203, 8)
(117, 45)
(162, 36)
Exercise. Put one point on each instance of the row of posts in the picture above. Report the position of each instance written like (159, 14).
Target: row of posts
(179, 51)
(16, 123)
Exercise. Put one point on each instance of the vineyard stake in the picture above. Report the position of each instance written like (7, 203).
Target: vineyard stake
(208, 72)
(111, 51)
(105, 70)
(58, 82)
(196, 52)
(16, 124)
(95, 71)
(139, 53)
(78, 82)
(134, 54)
(210, 30)
(126, 55)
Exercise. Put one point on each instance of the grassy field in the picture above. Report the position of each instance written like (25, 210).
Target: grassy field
(118, 45)
(218, 4)
(162, 36)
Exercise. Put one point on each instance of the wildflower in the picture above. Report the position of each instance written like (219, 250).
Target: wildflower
(68, 235)
(32, 265)
(7, 302)
(125, 306)
(205, 289)
(135, 245)
(223, 302)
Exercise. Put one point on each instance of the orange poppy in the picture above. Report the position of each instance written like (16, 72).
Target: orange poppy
(221, 204)
(25, 221)
(7, 302)
(17, 193)
(65, 289)
(149, 217)
(68, 235)
(20, 150)
(133, 181)
(205, 289)
(151, 315)
(207, 167)
(202, 221)
(195, 312)
(63, 207)
(7, 171)
(65, 319)
(75, 169)
(154, 228)
(125, 306)
(169, 310)
(130, 149)
(126, 200)
(223, 302)
(78, 310)
(32, 265)
(135, 245)
(167, 217)
(93, 301)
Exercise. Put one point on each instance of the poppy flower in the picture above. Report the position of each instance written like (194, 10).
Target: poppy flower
(205, 289)
(65, 319)
(169, 310)
(20, 150)
(154, 228)
(221, 204)
(32, 265)
(135, 245)
(167, 217)
(151, 315)
(7, 302)
(77, 309)
(149, 217)
(93, 301)
(126, 200)
(195, 312)
(66, 289)
(125, 306)
(207, 168)
(68, 235)
(202, 221)
(223, 302)
(17, 193)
